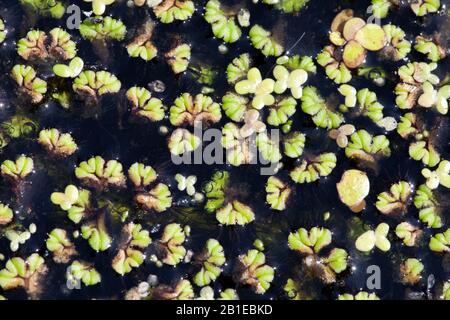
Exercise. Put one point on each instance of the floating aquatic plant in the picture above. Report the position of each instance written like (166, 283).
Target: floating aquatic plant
(432, 49)
(38, 46)
(144, 105)
(170, 10)
(24, 273)
(141, 175)
(234, 106)
(73, 200)
(263, 40)
(429, 211)
(294, 144)
(278, 193)
(133, 240)
(28, 83)
(363, 146)
(170, 246)
(221, 200)
(59, 244)
(141, 46)
(52, 8)
(186, 183)
(423, 7)
(69, 71)
(289, 80)
(222, 21)
(97, 234)
(311, 170)
(268, 148)
(309, 242)
(237, 144)
(99, 6)
(102, 28)
(341, 134)
(397, 46)
(100, 174)
(17, 170)
(380, 8)
(251, 269)
(238, 68)
(408, 233)
(440, 176)
(91, 85)
(362, 295)
(353, 188)
(178, 58)
(182, 290)
(212, 258)
(158, 198)
(83, 271)
(57, 143)
(322, 114)
(6, 214)
(261, 88)
(188, 110)
(183, 141)
(440, 242)
(410, 271)
(288, 6)
(335, 70)
(378, 238)
(394, 201)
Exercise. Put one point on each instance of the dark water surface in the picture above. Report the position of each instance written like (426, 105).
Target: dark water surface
(112, 134)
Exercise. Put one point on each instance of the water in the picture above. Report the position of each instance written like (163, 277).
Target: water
(114, 134)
